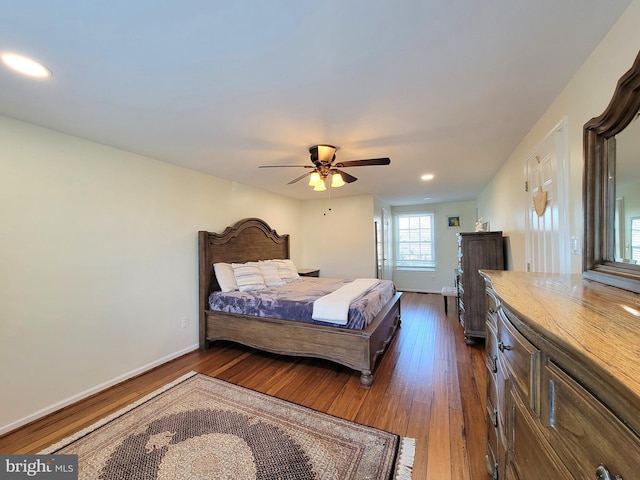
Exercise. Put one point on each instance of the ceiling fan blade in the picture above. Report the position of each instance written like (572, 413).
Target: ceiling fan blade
(364, 163)
(295, 180)
(278, 166)
(345, 176)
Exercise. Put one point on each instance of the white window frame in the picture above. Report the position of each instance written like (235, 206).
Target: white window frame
(634, 244)
(425, 238)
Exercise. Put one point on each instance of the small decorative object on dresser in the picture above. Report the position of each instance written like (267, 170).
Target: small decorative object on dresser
(476, 250)
(309, 272)
(482, 226)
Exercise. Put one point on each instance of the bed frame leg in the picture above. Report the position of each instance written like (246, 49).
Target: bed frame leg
(366, 378)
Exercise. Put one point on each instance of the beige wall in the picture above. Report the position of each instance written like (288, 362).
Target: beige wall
(503, 201)
(98, 262)
(338, 236)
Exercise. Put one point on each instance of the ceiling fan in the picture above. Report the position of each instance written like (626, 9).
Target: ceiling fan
(323, 158)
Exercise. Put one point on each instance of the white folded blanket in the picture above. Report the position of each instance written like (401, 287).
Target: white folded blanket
(334, 307)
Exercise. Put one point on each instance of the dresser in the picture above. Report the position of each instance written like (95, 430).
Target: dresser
(477, 250)
(563, 388)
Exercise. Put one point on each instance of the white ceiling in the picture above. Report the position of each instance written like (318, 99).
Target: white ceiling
(448, 87)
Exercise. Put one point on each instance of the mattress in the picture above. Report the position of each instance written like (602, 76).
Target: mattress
(294, 301)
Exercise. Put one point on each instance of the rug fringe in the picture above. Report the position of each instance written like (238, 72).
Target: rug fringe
(66, 441)
(406, 458)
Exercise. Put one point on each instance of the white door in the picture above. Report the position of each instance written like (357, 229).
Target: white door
(378, 228)
(547, 238)
(385, 261)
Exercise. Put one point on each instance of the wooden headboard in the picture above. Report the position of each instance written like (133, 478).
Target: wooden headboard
(249, 240)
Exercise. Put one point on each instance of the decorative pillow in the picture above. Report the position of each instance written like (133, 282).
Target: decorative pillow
(269, 271)
(292, 267)
(248, 277)
(225, 276)
(287, 274)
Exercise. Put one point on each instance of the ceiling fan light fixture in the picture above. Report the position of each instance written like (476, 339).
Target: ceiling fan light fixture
(314, 179)
(337, 180)
(323, 158)
(321, 187)
(325, 152)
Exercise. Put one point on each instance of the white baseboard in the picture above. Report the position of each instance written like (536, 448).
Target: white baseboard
(98, 388)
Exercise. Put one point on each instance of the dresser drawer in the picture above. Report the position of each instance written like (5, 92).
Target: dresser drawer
(534, 457)
(586, 432)
(491, 465)
(491, 349)
(521, 360)
(492, 403)
(510, 473)
(492, 310)
(491, 462)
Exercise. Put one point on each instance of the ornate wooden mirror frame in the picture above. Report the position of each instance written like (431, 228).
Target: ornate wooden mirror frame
(599, 196)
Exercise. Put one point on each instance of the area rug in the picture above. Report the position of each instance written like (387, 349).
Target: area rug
(200, 427)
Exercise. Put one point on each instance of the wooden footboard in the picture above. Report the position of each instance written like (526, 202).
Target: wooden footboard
(357, 349)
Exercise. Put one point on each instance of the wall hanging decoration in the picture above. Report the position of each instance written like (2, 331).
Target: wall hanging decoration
(454, 221)
(540, 198)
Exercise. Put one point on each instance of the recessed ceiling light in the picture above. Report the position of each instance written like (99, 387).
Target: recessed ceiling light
(26, 66)
(428, 176)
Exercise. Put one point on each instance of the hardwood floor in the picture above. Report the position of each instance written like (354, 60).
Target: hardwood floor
(429, 385)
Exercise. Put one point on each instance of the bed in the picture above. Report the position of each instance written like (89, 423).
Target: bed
(252, 240)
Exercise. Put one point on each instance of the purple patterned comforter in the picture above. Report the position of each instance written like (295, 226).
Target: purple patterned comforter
(294, 301)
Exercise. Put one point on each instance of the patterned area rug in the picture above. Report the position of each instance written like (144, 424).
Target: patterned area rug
(200, 427)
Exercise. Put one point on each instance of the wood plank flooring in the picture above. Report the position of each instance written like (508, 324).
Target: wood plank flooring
(429, 385)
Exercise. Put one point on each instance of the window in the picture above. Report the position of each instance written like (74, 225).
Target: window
(415, 240)
(635, 239)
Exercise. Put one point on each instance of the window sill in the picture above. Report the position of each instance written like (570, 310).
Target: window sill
(415, 269)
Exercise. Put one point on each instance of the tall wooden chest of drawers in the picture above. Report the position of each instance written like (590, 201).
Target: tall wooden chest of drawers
(476, 250)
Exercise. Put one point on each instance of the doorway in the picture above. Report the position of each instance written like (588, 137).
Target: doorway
(383, 246)
(547, 237)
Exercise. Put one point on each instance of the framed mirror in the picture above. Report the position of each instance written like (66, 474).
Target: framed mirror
(611, 188)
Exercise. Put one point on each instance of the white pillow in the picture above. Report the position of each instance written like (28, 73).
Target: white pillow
(269, 271)
(225, 276)
(292, 267)
(248, 277)
(287, 274)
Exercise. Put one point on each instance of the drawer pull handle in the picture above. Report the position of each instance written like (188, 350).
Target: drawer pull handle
(495, 417)
(603, 474)
(502, 347)
(495, 364)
